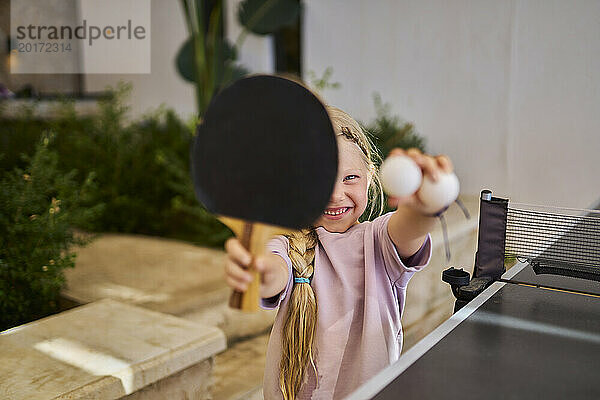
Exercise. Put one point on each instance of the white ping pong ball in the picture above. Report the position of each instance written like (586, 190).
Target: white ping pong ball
(400, 176)
(437, 195)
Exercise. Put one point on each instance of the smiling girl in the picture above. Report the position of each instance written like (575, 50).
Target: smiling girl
(340, 286)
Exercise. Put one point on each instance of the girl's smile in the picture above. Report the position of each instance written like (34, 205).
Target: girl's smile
(336, 213)
(350, 193)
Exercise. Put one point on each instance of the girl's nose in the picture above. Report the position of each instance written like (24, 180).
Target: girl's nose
(338, 193)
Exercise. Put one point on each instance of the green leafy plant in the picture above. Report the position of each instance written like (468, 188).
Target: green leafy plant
(320, 83)
(210, 61)
(39, 205)
(389, 131)
(264, 17)
(141, 166)
(205, 58)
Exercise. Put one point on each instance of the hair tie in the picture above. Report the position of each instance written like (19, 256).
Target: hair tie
(301, 280)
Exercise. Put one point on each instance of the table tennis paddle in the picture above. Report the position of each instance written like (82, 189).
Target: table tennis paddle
(264, 160)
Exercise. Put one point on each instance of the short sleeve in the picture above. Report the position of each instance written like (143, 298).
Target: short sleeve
(399, 270)
(279, 245)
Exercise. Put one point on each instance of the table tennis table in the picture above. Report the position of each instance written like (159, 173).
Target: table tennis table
(526, 336)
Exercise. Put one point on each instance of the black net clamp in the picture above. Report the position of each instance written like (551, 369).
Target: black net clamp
(463, 287)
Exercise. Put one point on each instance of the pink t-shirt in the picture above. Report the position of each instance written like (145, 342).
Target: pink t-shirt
(360, 285)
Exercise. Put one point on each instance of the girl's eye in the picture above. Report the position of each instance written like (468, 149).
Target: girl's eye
(350, 177)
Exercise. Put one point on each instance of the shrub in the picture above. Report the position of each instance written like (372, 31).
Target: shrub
(38, 207)
(141, 167)
(390, 131)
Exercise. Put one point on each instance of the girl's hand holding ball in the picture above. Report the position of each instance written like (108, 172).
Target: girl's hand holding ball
(400, 176)
(419, 180)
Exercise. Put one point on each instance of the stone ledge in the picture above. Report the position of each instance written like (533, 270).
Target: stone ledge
(163, 275)
(159, 274)
(191, 383)
(105, 349)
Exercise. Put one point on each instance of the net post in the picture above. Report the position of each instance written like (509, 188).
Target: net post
(489, 259)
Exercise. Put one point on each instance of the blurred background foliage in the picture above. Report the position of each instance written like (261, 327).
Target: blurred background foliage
(97, 173)
(141, 167)
(39, 205)
(389, 131)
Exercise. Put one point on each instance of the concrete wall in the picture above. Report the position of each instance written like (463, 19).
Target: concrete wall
(509, 89)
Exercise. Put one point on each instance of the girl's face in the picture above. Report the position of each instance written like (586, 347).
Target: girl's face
(350, 193)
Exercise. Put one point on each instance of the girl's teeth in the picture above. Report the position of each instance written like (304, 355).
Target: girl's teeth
(338, 212)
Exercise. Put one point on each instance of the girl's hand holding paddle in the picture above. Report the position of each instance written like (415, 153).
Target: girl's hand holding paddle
(272, 268)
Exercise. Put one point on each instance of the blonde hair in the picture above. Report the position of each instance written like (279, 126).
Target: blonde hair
(344, 125)
(301, 319)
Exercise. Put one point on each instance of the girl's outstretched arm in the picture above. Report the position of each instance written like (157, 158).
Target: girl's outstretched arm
(410, 223)
(273, 270)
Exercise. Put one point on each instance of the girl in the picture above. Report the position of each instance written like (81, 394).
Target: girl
(340, 286)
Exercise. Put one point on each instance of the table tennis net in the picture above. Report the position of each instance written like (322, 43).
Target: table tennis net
(552, 240)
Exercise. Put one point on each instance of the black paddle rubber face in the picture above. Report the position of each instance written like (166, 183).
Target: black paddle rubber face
(265, 152)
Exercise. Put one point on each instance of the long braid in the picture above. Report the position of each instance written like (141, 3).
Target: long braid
(301, 320)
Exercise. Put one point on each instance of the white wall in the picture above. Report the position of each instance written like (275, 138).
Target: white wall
(554, 127)
(509, 89)
(163, 84)
(255, 52)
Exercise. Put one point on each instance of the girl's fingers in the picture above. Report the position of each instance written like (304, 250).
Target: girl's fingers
(260, 263)
(427, 163)
(413, 151)
(393, 201)
(444, 163)
(236, 272)
(397, 152)
(235, 284)
(430, 166)
(237, 252)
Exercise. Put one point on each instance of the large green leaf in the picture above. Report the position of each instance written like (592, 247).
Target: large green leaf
(267, 16)
(223, 60)
(185, 60)
(230, 73)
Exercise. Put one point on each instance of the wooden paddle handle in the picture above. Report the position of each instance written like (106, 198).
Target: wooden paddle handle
(248, 300)
(253, 236)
